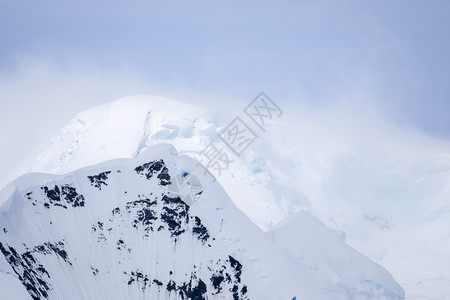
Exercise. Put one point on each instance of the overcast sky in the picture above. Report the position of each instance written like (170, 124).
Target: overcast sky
(58, 58)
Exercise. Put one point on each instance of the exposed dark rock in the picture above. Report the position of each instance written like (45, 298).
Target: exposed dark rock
(175, 213)
(164, 177)
(99, 180)
(32, 274)
(237, 266)
(216, 281)
(139, 278)
(120, 244)
(171, 286)
(200, 231)
(155, 167)
(193, 290)
(145, 215)
(57, 248)
(156, 281)
(62, 195)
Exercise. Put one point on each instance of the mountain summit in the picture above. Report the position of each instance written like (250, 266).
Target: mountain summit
(119, 230)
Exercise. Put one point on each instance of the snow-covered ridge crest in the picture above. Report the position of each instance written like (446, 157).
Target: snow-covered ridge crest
(130, 125)
(113, 231)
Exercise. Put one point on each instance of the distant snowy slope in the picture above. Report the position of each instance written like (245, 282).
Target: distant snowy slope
(119, 231)
(339, 268)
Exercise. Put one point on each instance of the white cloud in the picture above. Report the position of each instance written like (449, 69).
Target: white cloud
(38, 97)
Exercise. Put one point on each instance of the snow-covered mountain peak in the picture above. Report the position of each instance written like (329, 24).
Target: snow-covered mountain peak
(386, 188)
(120, 129)
(117, 230)
(128, 126)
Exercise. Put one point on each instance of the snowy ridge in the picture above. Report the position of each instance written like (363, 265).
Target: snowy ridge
(118, 231)
(130, 125)
(337, 267)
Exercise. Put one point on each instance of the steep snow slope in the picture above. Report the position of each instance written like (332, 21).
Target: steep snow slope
(10, 286)
(388, 190)
(119, 230)
(342, 266)
(130, 125)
